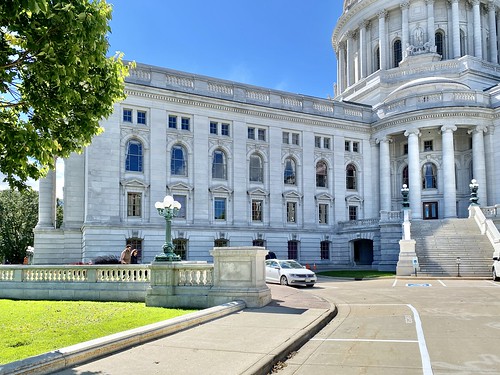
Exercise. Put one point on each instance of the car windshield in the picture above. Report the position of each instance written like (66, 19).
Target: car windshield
(290, 264)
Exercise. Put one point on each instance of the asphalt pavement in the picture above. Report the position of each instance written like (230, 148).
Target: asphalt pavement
(227, 339)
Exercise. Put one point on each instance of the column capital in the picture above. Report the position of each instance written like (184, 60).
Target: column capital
(491, 6)
(365, 24)
(383, 13)
(412, 132)
(478, 129)
(384, 139)
(429, 2)
(448, 128)
(474, 2)
(405, 5)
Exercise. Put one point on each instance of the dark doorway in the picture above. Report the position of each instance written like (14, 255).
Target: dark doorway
(363, 252)
(430, 210)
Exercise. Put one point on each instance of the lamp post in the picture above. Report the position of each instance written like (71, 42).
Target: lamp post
(458, 266)
(404, 192)
(169, 208)
(473, 186)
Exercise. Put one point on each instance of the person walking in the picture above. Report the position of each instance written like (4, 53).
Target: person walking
(134, 257)
(126, 255)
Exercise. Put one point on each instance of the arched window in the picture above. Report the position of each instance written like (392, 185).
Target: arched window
(133, 161)
(398, 53)
(377, 59)
(178, 163)
(321, 174)
(289, 176)
(463, 50)
(256, 168)
(405, 175)
(350, 177)
(219, 165)
(429, 173)
(439, 42)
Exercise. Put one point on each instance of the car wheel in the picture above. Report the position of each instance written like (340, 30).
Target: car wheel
(283, 280)
(310, 285)
(494, 274)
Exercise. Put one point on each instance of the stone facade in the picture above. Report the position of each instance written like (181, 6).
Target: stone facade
(313, 179)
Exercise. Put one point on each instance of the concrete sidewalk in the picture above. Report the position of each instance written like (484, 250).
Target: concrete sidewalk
(234, 340)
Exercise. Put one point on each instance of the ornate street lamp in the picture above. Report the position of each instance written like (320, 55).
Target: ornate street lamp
(473, 186)
(169, 208)
(404, 192)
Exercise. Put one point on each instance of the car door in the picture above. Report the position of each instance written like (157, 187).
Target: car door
(272, 271)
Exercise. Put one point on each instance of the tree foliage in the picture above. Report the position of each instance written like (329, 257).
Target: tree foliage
(18, 218)
(56, 81)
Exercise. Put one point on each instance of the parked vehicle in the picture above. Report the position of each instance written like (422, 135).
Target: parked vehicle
(495, 268)
(289, 272)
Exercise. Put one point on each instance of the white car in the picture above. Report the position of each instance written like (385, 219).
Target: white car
(495, 268)
(289, 272)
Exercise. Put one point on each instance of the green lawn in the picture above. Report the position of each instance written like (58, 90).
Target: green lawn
(357, 274)
(30, 328)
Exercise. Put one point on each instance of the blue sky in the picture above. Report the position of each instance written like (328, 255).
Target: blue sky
(277, 44)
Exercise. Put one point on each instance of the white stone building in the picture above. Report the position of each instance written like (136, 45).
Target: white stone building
(314, 179)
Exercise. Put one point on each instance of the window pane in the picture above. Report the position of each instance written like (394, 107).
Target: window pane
(295, 139)
(182, 200)
(180, 247)
(134, 204)
(350, 177)
(251, 133)
(293, 252)
(256, 210)
(141, 117)
(317, 142)
(285, 138)
(325, 249)
(225, 129)
(262, 134)
(220, 209)
(133, 161)
(178, 162)
(323, 214)
(326, 143)
(291, 215)
(219, 165)
(185, 123)
(127, 115)
(353, 213)
(289, 174)
(256, 169)
(321, 174)
(172, 122)
(347, 146)
(355, 146)
(213, 127)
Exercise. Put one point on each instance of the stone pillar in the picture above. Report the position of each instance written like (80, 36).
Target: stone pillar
(479, 162)
(493, 32)
(478, 40)
(414, 173)
(47, 201)
(350, 64)
(341, 68)
(362, 49)
(385, 174)
(450, 188)
(405, 34)
(369, 52)
(382, 39)
(430, 23)
(407, 261)
(455, 31)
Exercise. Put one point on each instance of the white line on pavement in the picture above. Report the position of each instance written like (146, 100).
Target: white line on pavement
(424, 353)
(394, 283)
(443, 284)
(365, 340)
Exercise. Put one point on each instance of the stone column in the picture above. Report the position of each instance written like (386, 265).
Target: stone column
(478, 40)
(405, 37)
(382, 39)
(47, 201)
(430, 23)
(455, 28)
(414, 173)
(369, 65)
(479, 162)
(385, 174)
(362, 49)
(450, 188)
(350, 64)
(341, 68)
(493, 32)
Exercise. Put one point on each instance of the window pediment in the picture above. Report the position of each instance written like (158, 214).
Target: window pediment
(179, 187)
(324, 197)
(353, 199)
(134, 183)
(220, 190)
(258, 191)
(292, 195)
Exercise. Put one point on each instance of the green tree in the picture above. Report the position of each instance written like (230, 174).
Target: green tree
(56, 81)
(19, 215)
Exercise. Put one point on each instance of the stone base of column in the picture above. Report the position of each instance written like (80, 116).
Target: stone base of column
(418, 60)
(407, 256)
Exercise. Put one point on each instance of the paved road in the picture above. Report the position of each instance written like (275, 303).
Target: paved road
(405, 326)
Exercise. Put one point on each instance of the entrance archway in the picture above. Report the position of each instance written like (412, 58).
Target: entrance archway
(363, 252)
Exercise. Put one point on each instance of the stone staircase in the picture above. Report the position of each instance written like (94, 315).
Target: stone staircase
(440, 242)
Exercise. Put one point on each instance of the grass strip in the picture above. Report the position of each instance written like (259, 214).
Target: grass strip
(30, 328)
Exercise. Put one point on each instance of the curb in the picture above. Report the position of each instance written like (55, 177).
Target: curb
(76, 354)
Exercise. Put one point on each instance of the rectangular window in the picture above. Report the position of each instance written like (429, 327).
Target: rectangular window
(213, 127)
(262, 134)
(127, 115)
(134, 204)
(323, 213)
(405, 149)
(256, 210)
(355, 146)
(326, 143)
(172, 122)
(325, 250)
(185, 123)
(141, 117)
(295, 139)
(291, 214)
(251, 133)
(428, 145)
(286, 138)
(353, 213)
(182, 200)
(317, 142)
(181, 247)
(220, 208)
(293, 250)
(347, 146)
(225, 130)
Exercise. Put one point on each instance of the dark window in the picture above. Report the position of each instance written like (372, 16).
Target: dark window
(178, 161)
(219, 165)
(256, 169)
(180, 247)
(428, 145)
(398, 53)
(429, 173)
(172, 122)
(326, 143)
(353, 213)
(127, 115)
(355, 146)
(295, 139)
(261, 134)
(325, 249)
(136, 243)
(377, 59)
(259, 242)
(317, 142)
(256, 210)
(251, 133)
(134, 204)
(141, 117)
(291, 212)
(406, 178)
(225, 130)
(185, 123)
(286, 137)
(439, 41)
(350, 175)
(133, 161)
(213, 127)
(220, 208)
(221, 242)
(405, 149)
(293, 250)
(347, 146)
(321, 174)
(289, 177)
(323, 213)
